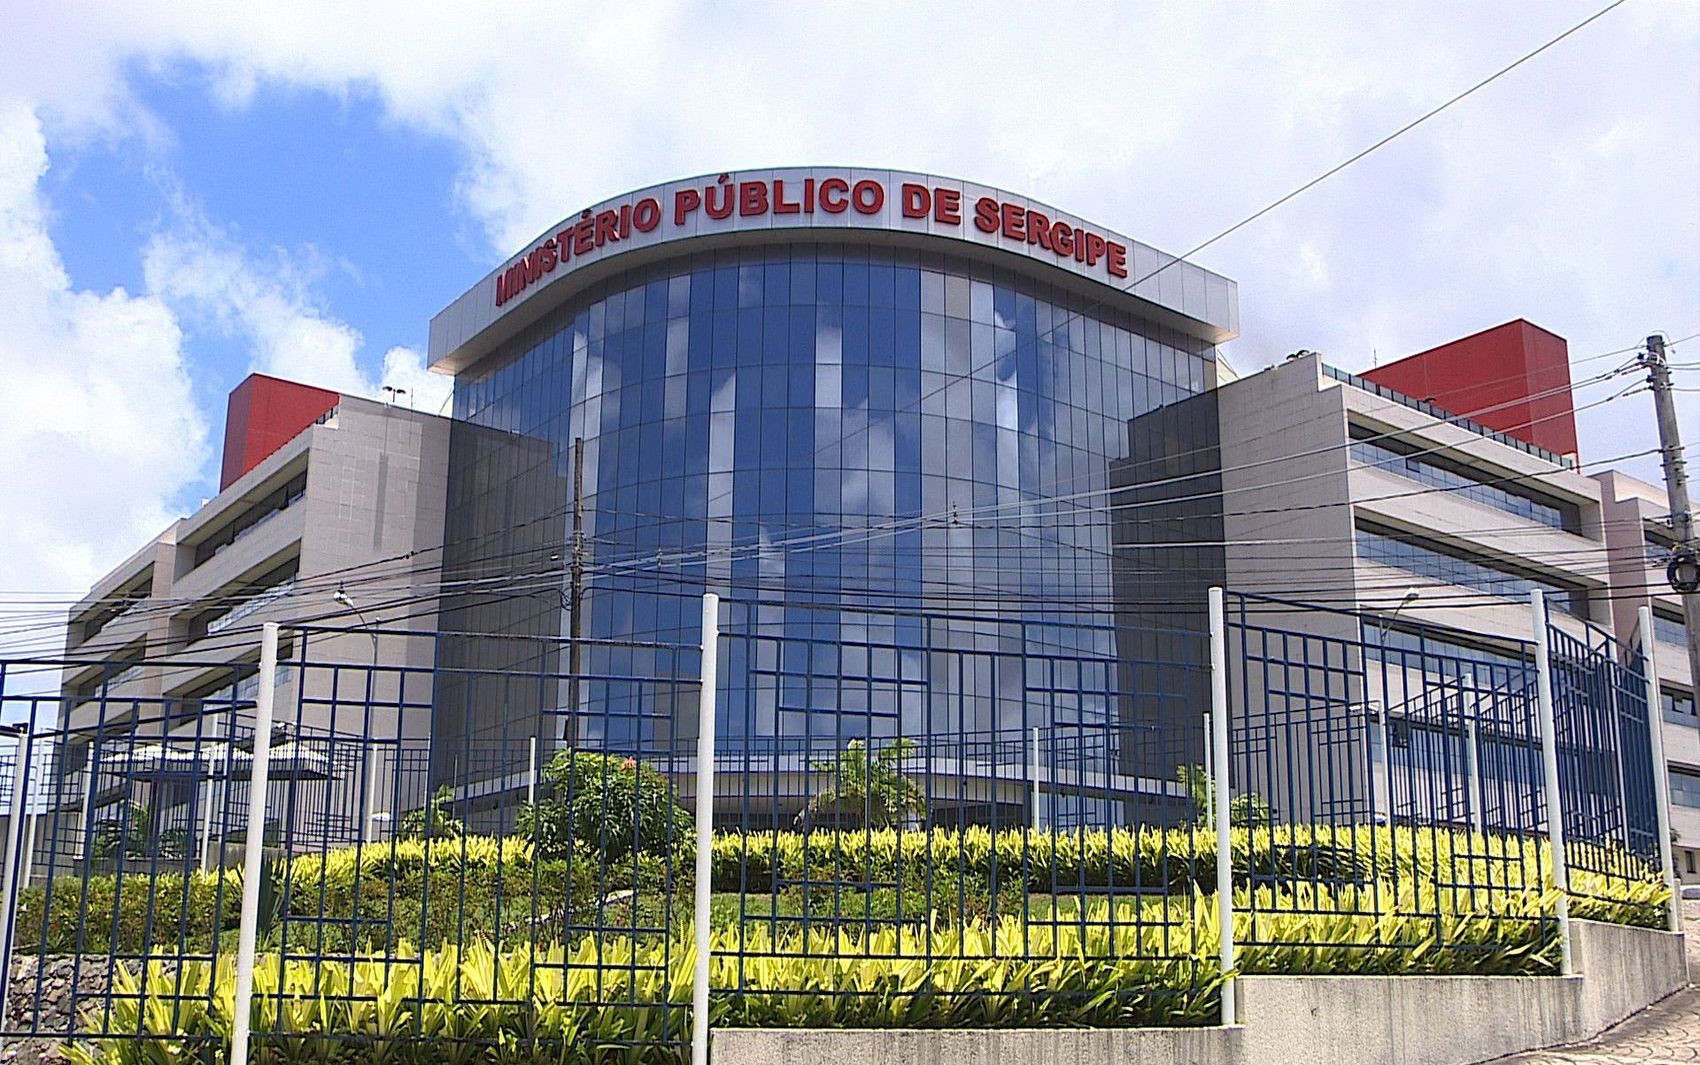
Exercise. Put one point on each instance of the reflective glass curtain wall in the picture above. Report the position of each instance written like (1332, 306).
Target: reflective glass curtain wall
(838, 437)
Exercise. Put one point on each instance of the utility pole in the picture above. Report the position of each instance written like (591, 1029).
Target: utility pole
(575, 594)
(1676, 489)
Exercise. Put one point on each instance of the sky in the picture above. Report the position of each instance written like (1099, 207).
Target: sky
(190, 192)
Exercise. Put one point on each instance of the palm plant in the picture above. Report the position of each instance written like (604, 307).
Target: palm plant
(865, 788)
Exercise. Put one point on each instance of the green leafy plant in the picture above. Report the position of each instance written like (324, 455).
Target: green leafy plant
(864, 788)
(121, 829)
(607, 998)
(434, 820)
(604, 805)
(131, 914)
(1248, 809)
(435, 891)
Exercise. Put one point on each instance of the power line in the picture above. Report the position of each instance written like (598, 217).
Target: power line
(762, 551)
(346, 573)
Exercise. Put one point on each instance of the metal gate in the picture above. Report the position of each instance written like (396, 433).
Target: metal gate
(1606, 758)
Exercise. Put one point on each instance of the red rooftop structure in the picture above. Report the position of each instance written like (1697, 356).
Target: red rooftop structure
(1514, 378)
(264, 414)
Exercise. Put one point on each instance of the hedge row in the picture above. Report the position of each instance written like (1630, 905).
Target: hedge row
(1152, 859)
(614, 998)
(377, 896)
(437, 891)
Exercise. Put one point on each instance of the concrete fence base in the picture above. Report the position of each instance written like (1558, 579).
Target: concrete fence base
(1298, 1020)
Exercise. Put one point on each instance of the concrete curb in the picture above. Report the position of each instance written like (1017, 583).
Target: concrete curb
(1298, 1020)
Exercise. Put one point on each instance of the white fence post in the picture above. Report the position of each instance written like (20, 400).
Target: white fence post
(1661, 783)
(705, 823)
(253, 849)
(14, 837)
(1222, 795)
(1549, 761)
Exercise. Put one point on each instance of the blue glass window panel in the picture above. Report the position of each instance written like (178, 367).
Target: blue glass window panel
(803, 281)
(775, 389)
(854, 385)
(777, 285)
(800, 338)
(655, 300)
(775, 322)
(829, 282)
(856, 286)
(1082, 405)
(725, 326)
(700, 292)
(855, 335)
(725, 288)
(802, 385)
(882, 284)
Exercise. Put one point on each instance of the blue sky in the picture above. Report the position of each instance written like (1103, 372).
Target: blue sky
(191, 191)
(364, 206)
(292, 169)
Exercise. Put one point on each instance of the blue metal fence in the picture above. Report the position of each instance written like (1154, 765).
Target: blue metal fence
(998, 790)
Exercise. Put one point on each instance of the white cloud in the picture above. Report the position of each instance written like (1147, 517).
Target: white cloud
(101, 441)
(267, 302)
(404, 368)
(99, 432)
(1565, 193)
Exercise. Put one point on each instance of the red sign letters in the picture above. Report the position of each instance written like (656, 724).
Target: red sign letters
(721, 199)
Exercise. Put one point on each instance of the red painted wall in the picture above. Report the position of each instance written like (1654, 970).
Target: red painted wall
(1496, 377)
(264, 414)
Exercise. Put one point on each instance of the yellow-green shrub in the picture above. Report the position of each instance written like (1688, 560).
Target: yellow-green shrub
(610, 998)
(132, 913)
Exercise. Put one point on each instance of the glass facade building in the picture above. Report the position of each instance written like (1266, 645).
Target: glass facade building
(850, 441)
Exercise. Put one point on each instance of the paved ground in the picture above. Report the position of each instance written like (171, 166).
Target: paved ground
(1667, 1032)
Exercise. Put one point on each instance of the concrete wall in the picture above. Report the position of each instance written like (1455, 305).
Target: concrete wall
(1287, 520)
(1300, 1020)
(371, 515)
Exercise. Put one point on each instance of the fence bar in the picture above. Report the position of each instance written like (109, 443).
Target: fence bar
(1549, 760)
(1382, 805)
(33, 821)
(254, 846)
(1209, 770)
(204, 795)
(1661, 783)
(1222, 795)
(1473, 769)
(14, 837)
(1033, 760)
(531, 779)
(367, 829)
(705, 823)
